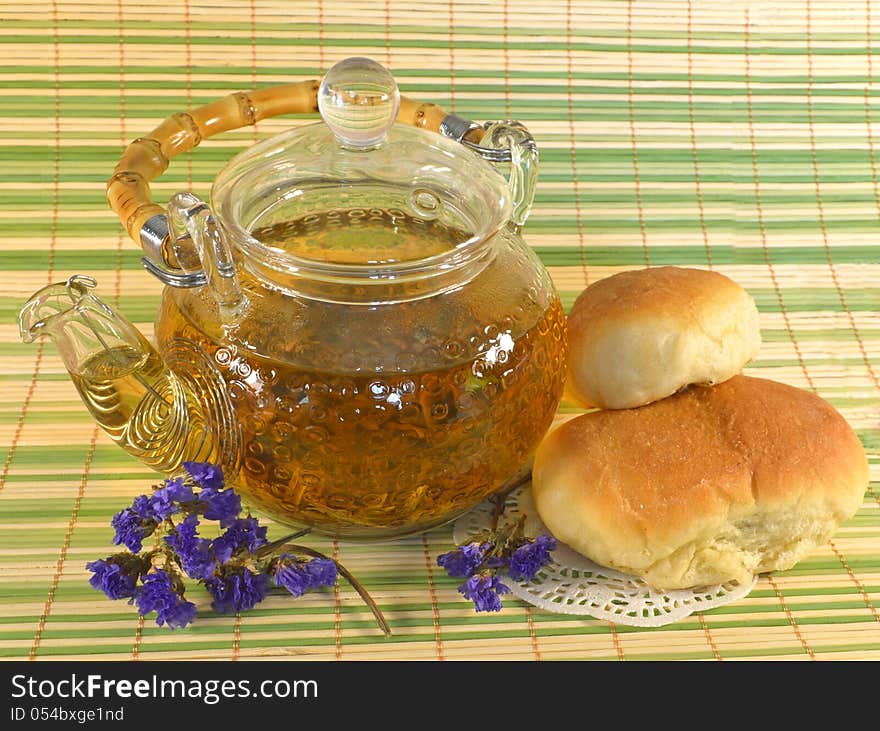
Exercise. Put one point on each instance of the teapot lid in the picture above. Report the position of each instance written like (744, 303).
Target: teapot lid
(359, 167)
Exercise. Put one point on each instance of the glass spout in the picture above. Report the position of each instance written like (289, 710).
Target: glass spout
(159, 416)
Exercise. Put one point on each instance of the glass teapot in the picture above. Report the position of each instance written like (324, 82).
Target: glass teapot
(354, 328)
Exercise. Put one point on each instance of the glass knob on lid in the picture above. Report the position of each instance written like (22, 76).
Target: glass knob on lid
(358, 100)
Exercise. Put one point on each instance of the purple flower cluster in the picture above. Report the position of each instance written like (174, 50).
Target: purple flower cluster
(208, 475)
(196, 557)
(527, 560)
(298, 576)
(480, 561)
(141, 519)
(158, 593)
(167, 500)
(241, 534)
(484, 591)
(464, 560)
(237, 591)
(119, 577)
(111, 577)
(220, 505)
(134, 524)
(232, 566)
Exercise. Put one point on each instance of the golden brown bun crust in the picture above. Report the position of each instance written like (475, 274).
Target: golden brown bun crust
(640, 336)
(712, 484)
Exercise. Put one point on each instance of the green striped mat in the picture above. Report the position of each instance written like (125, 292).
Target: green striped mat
(736, 136)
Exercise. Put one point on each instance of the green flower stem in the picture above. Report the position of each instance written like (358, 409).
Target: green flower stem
(270, 547)
(358, 587)
(501, 497)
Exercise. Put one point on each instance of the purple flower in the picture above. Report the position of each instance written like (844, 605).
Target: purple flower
(527, 560)
(142, 507)
(178, 615)
(299, 576)
(159, 594)
(209, 476)
(165, 501)
(322, 572)
(291, 576)
(112, 579)
(464, 560)
(195, 553)
(131, 527)
(222, 505)
(135, 523)
(178, 490)
(239, 591)
(241, 533)
(483, 590)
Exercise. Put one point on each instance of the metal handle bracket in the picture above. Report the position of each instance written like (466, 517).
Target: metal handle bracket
(458, 128)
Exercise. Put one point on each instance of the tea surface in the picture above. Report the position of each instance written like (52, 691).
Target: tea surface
(362, 236)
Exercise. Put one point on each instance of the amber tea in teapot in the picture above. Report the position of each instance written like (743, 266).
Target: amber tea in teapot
(338, 447)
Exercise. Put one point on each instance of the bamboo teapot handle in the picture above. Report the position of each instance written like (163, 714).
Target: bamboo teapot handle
(145, 159)
(128, 190)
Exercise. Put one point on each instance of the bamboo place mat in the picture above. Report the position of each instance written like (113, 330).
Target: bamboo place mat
(703, 134)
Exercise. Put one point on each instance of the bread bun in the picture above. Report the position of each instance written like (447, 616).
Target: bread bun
(640, 336)
(712, 484)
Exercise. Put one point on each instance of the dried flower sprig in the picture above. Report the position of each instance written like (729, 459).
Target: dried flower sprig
(237, 567)
(486, 555)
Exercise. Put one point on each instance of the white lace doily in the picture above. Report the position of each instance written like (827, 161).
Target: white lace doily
(572, 584)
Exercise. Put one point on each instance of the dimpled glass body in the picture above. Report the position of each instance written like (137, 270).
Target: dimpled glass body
(384, 412)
